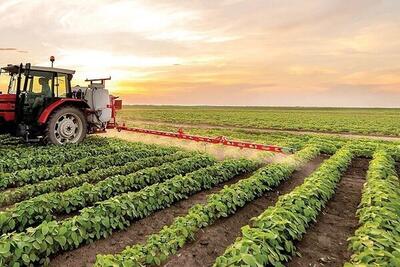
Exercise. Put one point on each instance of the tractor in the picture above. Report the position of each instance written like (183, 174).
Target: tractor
(41, 105)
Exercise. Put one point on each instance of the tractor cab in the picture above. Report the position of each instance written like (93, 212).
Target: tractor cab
(34, 89)
(38, 104)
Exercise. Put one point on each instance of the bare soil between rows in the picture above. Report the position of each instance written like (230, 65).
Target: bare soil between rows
(139, 230)
(136, 233)
(212, 241)
(325, 243)
(397, 167)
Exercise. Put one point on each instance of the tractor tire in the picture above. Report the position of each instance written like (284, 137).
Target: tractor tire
(67, 125)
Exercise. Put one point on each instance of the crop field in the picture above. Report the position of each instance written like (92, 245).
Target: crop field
(332, 120)
(110, 202)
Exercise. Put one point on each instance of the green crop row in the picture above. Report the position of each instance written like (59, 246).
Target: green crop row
(62, 183)
(27, 176)
(30, 149)
(377, 241)
(367, 148)
(364, 121)
(24, 177)
(42, 208)
(36, 244)
(6, 140)
(15, 164)
(222, 204)
(270, 238)
(18, 151)
(328, 143)
(25, 157)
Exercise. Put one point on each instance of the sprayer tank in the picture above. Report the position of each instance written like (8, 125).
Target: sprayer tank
(98, 99)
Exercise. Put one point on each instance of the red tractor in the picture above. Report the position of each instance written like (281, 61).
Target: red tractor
(40, 104)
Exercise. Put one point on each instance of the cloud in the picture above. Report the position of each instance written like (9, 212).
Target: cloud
(240, 52)
(12, 49)
(191, 36)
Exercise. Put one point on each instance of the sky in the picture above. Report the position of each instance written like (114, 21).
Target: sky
(226, 52)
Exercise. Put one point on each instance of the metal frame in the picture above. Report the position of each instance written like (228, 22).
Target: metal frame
(115, 105)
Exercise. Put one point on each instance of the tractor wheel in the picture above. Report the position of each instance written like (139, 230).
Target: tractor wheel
(66, 125)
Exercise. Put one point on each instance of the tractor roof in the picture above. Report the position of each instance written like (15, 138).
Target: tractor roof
(49, 69)
(14, 69)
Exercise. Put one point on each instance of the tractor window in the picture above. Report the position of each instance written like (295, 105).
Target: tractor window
(40, 83)
(4, 81)
(12, 87)
(61, 85)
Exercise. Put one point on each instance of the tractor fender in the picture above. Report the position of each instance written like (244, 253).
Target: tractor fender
(61, 102)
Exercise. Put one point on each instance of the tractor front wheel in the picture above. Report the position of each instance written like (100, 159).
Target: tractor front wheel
(66, 125)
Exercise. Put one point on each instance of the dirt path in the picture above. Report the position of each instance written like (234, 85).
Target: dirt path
(271, 130)
(325, 243)
(136, 233)
(213, 240)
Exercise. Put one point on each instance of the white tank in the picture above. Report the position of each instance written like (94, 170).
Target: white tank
(98, 99)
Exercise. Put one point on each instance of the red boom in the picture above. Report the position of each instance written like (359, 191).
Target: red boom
(219, 140)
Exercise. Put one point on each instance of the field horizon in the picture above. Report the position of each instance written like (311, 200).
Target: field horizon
(261, 107)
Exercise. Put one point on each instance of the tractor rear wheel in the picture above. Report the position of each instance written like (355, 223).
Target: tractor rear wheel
(66, 125)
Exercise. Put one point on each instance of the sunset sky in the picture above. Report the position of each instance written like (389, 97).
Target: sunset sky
(227, 52)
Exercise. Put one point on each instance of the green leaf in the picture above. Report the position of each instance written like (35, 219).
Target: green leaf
(45, 229)
(249, 259)
(36, 245)
(25, 258)
(4, 248)
(61, 240)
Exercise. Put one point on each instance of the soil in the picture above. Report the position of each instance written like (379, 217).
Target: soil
(397, 166)
(136, 233)
(3, 208)
(272, 130)
(212, 241)
(325, 243)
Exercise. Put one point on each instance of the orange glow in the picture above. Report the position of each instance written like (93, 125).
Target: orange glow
(318, 53)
